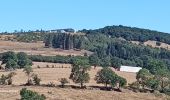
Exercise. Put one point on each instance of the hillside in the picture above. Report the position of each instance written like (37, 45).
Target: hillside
(113, 46)
(131, 33)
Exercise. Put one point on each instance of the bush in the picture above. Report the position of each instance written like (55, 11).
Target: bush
(38, 66)
(7, 79)
(47, 66)
(36, 79)
(29, 82)
(158, 43)
(51, 84)
(63, 81)
(30, 95)
(3, 79)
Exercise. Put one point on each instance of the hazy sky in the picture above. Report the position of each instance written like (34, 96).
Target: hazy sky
(79, 14)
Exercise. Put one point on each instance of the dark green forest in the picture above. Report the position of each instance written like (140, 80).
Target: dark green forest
(109, 50)
(131, 33)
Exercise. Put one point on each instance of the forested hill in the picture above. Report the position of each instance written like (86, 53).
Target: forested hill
(131, 33)
(109, 50)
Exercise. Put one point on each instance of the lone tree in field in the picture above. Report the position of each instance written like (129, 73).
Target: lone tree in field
(28, 71)
(79, 72)
(105, 76)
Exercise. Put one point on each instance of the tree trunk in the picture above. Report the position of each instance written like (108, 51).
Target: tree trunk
(106, 85)
(81, 84)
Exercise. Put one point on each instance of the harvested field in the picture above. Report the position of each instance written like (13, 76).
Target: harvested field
(37, 49)
(60, 71)
(153, 44)
(63, 71)
(12, 93)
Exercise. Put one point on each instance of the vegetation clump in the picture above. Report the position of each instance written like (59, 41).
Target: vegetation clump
(31, 95)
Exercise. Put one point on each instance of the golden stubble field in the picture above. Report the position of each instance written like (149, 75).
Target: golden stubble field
(37, 48)
(55, 93)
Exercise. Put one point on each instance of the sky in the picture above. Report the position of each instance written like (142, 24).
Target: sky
(83, 14)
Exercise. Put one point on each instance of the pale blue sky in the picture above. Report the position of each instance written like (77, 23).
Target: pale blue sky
(79, 14)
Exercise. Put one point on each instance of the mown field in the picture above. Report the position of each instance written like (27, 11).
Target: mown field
(37, 48)
(48, 75)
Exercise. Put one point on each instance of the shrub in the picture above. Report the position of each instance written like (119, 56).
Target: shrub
(38, 66)
(3, 79)
(51, 84)
(36, 79)
(30, 95)
(47, 66)
(158, 43)
(63, 81)
(7, 79)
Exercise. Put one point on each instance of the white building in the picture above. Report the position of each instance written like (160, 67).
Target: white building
(130, 69)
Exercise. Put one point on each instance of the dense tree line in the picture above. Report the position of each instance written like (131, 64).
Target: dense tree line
(109, 51)
(63, 41)
(57, 59)
(131, 33)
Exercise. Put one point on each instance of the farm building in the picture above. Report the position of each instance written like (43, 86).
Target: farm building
(130, 69)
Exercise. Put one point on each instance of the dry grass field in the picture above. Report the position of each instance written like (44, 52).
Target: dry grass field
(63, 71)
(37, 49)
(153, 44)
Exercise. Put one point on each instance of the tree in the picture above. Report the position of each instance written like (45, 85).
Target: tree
(120, 82)
(28, 70)
(14, 61)
(143, 76)
(152, 84)
(11, 64)
(8, 56)
(105, 76)
(79, 72)
(23, 60)
(155, 65)
(94, 60)
(30, 95)
(36, 79)
(115, 62)
(162, 75)
(63, 81)
(105, 62)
